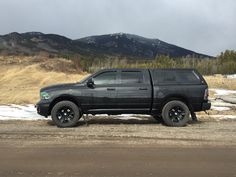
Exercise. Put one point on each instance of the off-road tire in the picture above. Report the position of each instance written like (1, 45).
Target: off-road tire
(175, 113)
(65, 114)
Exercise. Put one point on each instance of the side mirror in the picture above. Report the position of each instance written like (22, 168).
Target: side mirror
(90, 83)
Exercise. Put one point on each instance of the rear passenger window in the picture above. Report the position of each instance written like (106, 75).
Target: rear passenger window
(175, 77)
(131, 77)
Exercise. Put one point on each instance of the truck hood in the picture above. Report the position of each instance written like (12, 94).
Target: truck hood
(59, 87)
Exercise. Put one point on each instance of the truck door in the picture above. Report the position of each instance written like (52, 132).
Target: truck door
(103, 94)
(134, 91)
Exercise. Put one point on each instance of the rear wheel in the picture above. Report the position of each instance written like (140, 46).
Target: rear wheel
(175, 113)
(65, 114)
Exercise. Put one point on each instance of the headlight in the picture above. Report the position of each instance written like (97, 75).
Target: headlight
(44, 96)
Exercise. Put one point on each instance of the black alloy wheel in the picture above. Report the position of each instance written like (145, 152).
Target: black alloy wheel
(175, 113)
(65, 114)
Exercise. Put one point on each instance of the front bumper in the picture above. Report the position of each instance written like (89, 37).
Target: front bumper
(206, 106)
(43, 108)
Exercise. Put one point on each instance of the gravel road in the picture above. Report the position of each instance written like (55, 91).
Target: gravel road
(207, 132)
(117, 147)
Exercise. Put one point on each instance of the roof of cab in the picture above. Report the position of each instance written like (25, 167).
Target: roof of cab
(133, 69)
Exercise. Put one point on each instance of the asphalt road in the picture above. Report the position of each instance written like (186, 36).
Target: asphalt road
(104, 161)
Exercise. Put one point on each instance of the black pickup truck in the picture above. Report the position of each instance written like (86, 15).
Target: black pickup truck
(170, 94)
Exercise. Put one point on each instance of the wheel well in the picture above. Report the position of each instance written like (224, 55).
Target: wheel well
(178, 98)
(63, 98)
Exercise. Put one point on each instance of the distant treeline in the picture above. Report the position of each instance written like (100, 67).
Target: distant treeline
(225, 63)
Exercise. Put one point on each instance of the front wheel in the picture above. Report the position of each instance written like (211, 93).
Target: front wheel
(175, 114)
(65, 114)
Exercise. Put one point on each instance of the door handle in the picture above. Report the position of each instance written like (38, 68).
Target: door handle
(111, 89)
(143, 89)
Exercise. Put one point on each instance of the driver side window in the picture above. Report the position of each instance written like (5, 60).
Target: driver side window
(105, 78)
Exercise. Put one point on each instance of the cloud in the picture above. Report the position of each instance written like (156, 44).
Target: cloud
(204, 26)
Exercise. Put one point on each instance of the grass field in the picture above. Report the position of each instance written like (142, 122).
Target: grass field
(221, 82)
(22, 77)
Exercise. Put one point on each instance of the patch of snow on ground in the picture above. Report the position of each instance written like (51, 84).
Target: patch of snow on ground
(222, 92)
(125, 116)
(218, 108)
(220, 117)
(18, 112)
(131, 116)
(232, 76)
(28, 112)
(224, 117)
(221, 103)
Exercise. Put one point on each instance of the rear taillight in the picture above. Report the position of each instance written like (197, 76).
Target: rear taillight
(206, 94)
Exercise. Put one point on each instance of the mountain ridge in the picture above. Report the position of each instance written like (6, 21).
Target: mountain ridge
(121, 44)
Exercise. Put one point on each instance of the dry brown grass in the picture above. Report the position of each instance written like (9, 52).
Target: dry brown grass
(21, 78)
(220, 82)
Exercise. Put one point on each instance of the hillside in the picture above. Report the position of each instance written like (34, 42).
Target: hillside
(33, 43)
(22, 77)
(119, 44)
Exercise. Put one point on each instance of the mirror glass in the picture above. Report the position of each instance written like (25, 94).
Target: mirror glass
(90, 82)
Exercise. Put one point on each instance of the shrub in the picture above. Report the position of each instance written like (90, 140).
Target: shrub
(225, 63)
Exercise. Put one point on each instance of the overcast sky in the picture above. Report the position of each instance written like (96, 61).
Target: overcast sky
(206, 26)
